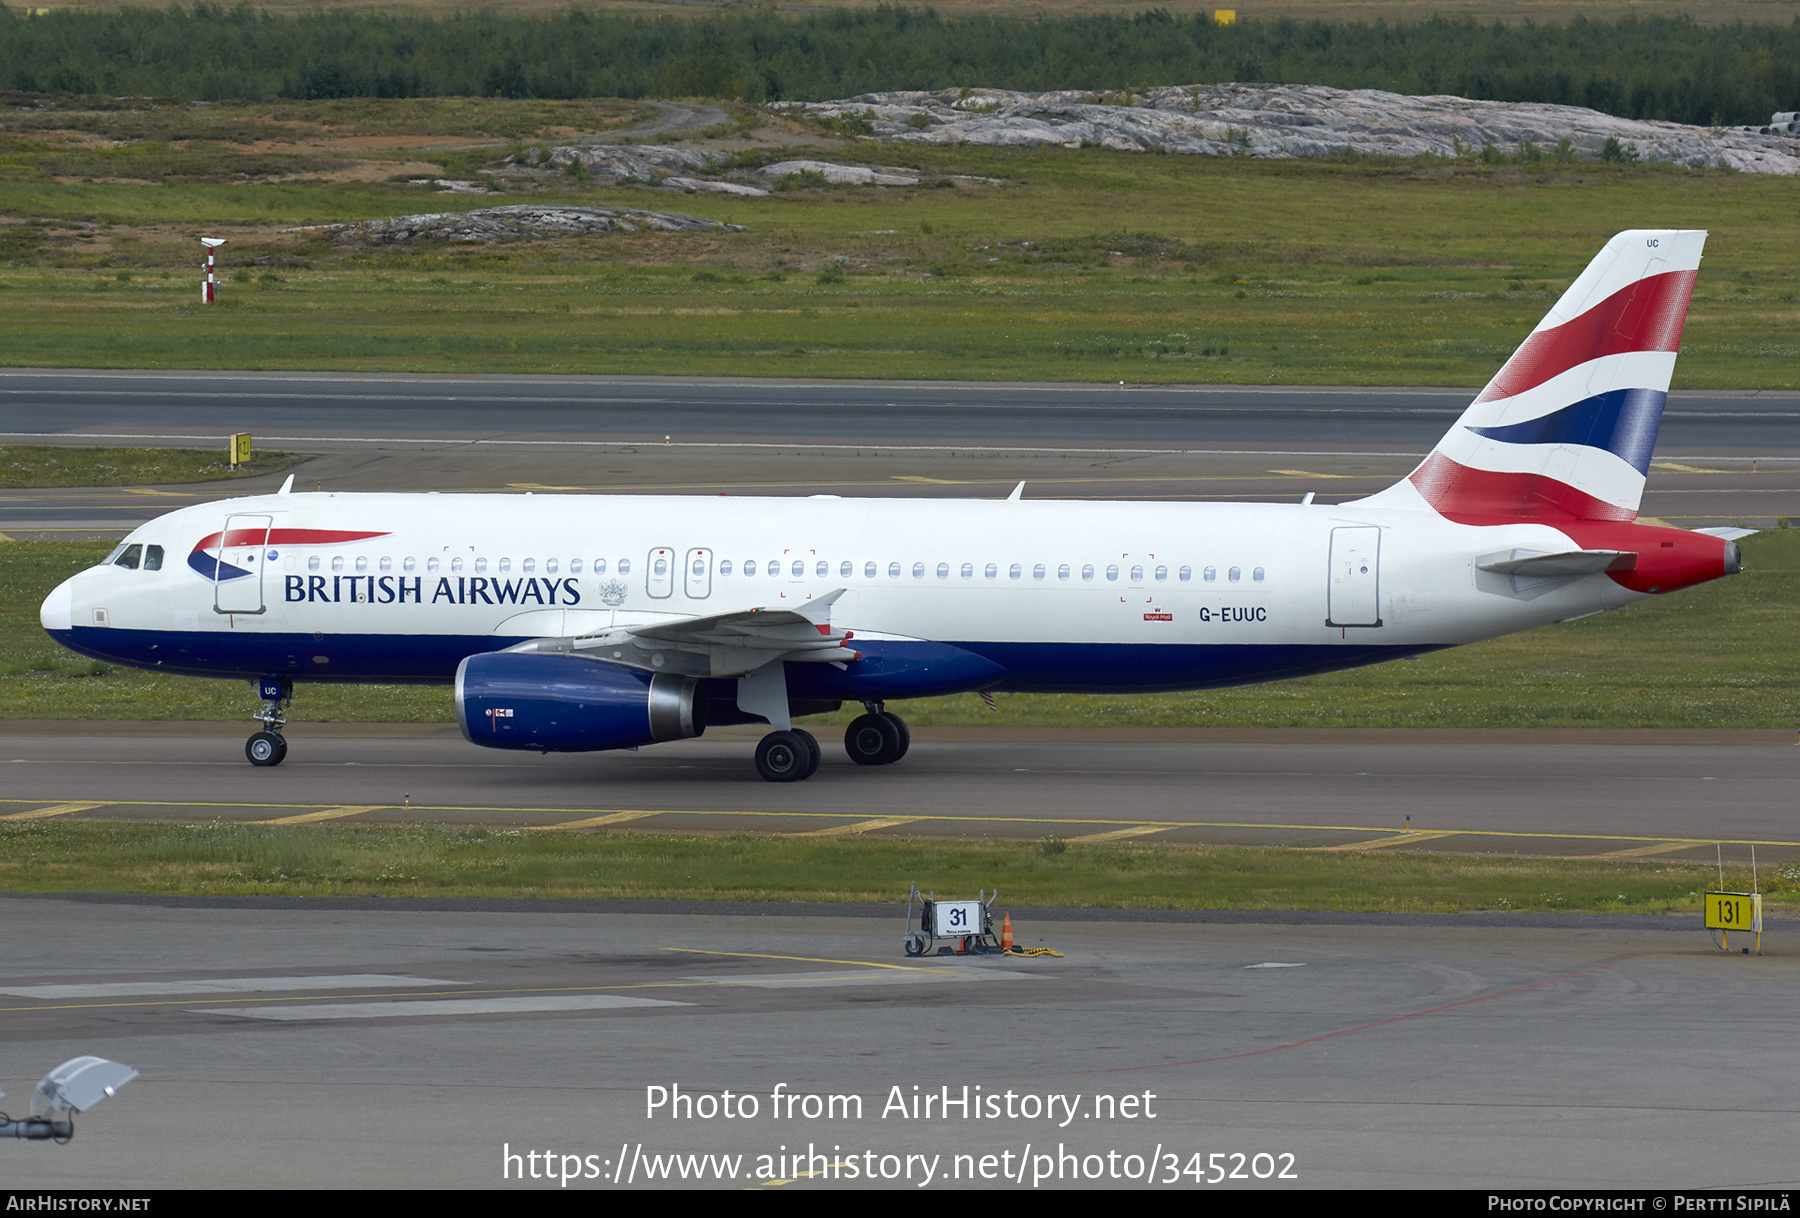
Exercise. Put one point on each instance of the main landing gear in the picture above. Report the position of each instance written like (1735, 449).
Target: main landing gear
(269, 746)
(875, 738)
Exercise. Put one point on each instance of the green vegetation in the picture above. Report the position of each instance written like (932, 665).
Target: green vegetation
(1079, 265)
(1722, 655)
(1655, 67)
(23, 465)
(433, 861)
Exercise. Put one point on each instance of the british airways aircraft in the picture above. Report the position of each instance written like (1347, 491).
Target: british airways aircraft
(580, 623)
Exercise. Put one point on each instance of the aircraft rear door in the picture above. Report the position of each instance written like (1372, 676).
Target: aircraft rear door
(1355, 577)
(238, 574)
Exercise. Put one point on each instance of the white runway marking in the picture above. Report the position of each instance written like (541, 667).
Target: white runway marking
(222, 985)
(1277, 964)
(442, 1006)
(872, 976)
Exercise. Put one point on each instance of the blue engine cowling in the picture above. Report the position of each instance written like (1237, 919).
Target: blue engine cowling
(567, 704)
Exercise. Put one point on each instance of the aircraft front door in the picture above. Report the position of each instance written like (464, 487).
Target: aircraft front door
(238, 573)
(1355, 589)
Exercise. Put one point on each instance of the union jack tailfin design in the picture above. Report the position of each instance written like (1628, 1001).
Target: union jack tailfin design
(1564, 431)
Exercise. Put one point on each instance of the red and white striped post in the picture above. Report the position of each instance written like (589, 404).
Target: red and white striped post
(209, 289)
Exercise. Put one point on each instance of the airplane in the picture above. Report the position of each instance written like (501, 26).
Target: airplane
(585, 623)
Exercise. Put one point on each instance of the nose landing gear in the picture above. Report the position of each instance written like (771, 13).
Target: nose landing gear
(269, 747)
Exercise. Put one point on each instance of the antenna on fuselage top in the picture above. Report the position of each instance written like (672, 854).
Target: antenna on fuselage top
(1017, 491)
(286, 487)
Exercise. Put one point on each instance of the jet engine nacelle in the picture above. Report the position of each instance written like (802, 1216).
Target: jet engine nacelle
(567, 704)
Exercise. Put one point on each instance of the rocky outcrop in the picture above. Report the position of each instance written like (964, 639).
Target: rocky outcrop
(522, 220)
(841, 175)
(1298, 121)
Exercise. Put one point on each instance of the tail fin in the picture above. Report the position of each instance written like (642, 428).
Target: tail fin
(1566, 428)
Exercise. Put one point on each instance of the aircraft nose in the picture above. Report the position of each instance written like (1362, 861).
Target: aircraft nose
(57, 613)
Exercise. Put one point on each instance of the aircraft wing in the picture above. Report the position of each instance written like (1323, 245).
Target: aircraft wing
(729, 644)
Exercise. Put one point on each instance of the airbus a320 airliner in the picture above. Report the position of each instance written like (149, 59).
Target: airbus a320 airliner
(581, 623)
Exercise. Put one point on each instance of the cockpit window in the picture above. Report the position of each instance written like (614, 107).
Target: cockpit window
(110, 559)
(129, 559)
(152, 558)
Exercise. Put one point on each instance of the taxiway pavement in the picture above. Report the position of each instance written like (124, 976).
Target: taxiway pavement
(382, 1045)
(1628, 794)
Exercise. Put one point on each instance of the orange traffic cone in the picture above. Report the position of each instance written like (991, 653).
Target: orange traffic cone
(1006, 942)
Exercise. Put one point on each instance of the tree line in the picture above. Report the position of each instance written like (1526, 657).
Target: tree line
(1645, 68)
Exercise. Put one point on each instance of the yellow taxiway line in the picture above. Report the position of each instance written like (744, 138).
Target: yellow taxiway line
(620, 816)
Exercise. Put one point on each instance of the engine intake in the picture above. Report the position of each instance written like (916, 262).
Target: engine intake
(568, 704)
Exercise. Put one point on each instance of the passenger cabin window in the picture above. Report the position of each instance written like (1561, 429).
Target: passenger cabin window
(312, 563)
(846, 570)
(943, 570)
(574, 566)
(1037, 572)
(822, 570)
(774, 567)
(968, 570)
(481, 566)
(1087, 572)
(527, 567)
(1137, 575)
(659, 567)
(431, 564)
(407, 564)
(1210, 574)
(599, 566)
(505, 565)
(1162, 573)
(1062, 572)
(456, 564)
(869, 570)
(1015, 571)
(749, 566)
(387, 564)
(130, 558)
(1186, 574)
(1234, 575)
(337, 562)
(624, 566)
(725, 567)
(893, 570)
(1112, 572)
(362, 562)
(1257, 575)
(918, 570)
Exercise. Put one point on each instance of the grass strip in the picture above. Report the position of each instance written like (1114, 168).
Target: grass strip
(43, 465)
(438, 861)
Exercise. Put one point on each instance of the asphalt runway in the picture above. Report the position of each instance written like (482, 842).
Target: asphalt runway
(1722, 458)
(640, 410)
(1627, 794)
(374, 1046)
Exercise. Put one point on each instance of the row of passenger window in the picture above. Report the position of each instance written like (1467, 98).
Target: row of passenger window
(502, 566)
(796, 569)
(1064, 571)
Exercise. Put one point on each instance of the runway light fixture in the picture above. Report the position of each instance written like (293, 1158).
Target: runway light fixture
(75, 1086)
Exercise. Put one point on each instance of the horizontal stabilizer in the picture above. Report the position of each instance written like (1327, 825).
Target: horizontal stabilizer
(1535, 564)
(1726, 532)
